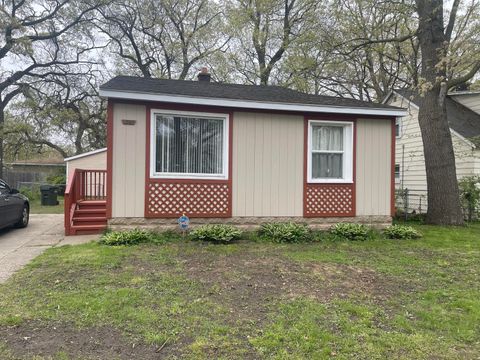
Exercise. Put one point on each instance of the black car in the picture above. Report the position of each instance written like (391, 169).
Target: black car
(14, 207)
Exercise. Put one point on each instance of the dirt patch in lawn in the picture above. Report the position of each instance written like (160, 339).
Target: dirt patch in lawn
(249, 281)
(35, 338)
(341, 281)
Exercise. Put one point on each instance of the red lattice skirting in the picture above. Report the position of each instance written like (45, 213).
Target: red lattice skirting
(324, 200)
(194, 199)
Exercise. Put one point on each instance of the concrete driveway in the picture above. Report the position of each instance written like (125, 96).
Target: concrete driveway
(19, 246)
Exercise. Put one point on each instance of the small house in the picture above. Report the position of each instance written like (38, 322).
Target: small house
(463, 115)
(237, 154)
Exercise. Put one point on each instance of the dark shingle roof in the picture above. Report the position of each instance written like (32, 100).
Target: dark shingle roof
(262, 93)
(460, 118)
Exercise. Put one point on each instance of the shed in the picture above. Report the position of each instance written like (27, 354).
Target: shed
(92, 160)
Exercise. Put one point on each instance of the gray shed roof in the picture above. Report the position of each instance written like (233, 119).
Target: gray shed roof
(259, 93)
(460, 118)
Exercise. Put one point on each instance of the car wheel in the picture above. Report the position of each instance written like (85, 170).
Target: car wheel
(23, 221)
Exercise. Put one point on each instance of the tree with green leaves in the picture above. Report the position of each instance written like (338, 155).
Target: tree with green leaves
(164, 39)
(438, 74)
(62, 112)
(34, 42)
(262, 33)
(447, 51)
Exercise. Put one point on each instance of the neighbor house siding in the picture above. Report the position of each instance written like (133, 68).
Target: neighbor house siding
(267, 173)
(373, 167)
(471, 101)
(409, 155)
(96, 161)
(128, 166)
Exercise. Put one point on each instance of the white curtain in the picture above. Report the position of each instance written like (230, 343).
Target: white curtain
(327, 138)
(327, 148)
(189, 145)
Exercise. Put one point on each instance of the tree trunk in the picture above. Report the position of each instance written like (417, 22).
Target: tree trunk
(443, 195)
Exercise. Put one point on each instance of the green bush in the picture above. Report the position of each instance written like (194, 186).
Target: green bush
(217, 233)
(57, 179)
(136, 236)
(33, 193)
(470, 196)
(288, 232)
(354, 232)
(401, 232)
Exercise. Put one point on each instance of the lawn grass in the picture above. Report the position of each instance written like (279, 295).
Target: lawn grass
(377, 299)
(37, 208)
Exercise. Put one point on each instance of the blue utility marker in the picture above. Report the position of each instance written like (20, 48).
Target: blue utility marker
(183, 222)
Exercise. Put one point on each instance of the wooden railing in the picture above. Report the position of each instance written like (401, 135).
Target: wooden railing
(93, 184)
(84, 185)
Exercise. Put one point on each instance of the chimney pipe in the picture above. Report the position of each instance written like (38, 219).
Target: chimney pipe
(204, 75)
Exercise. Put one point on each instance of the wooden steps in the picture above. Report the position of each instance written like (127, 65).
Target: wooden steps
(89, 217)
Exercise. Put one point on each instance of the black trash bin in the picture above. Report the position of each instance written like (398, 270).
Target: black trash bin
(61, 189)
(49, 195)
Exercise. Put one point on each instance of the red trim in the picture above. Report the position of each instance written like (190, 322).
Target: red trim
(392, 189)
(230, 163)
(307, 185)
(149, 180)
(110, 107)
(305, 163)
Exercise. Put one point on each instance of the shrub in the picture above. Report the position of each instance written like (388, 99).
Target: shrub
(217, 233)
(288, 232)
(57, 179)
(354, 232)
(33, 193)
(133, 237)
(470, 196)
(401, 232)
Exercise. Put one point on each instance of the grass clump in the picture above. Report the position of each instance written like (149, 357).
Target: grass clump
(353, 232)
(288, 232)
(136, 236)
(219, 233)
(403, 232)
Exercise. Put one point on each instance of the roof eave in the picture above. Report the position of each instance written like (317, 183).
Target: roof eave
(79, 156)
(248, 104)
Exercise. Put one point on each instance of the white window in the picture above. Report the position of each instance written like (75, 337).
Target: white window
(330, 151)
(398, 127)
(397, 173)
(189, 145)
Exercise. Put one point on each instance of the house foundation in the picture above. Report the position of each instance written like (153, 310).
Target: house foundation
(246, 223)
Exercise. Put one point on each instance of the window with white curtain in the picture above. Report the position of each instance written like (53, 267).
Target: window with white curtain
(189, 145)
(330, 151)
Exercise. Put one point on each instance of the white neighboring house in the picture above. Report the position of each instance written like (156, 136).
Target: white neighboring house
(463, 112)
(469, 99)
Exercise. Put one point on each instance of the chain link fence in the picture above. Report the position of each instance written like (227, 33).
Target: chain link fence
(410, 203)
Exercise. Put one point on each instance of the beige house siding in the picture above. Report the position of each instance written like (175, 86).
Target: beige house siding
(373, 177)
(409, 146)
(96, 161)
(471, 101)
(128, 169)
(267, 166)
